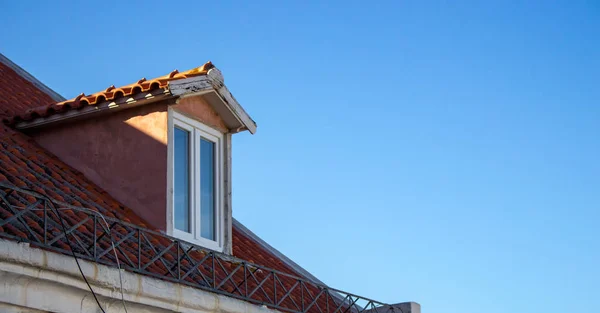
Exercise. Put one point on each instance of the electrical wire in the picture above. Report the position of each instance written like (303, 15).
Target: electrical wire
(57, 213)
(112, 242)
(62, 224)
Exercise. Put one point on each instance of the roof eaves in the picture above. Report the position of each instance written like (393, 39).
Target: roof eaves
(104, 107)
(213, 81)
(38, 84)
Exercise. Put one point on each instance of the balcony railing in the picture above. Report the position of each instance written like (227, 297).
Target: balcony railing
(27, 216)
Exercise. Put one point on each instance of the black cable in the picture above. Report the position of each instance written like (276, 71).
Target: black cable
(62, 224)
(74, 256)
(57, 213)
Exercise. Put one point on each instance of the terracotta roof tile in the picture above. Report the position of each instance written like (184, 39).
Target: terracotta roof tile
(46, 108)
(18, 94)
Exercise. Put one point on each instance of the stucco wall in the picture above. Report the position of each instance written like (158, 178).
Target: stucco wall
(202, 111)
(124, 153)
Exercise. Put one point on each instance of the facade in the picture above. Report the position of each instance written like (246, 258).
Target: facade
(120, 201)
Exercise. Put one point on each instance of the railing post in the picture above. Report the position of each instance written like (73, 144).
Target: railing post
(302, 293)
(327, 300)
(45, 222)
(95, 242)
(214, 274)
(246, 279)
(139, 249)
(274, 288)
(178, 262)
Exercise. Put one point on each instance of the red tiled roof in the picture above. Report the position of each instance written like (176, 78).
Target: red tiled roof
(17, 94)
(247, 249)
(46, 108)
(25, 164)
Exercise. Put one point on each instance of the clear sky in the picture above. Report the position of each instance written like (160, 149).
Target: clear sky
(439, 152)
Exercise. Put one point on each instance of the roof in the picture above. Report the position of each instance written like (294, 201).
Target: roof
(280, 258)
(25, 164)
(205, 80)
(19, 91)
(46, 107)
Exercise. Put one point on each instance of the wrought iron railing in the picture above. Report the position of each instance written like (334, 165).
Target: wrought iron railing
(28, 216)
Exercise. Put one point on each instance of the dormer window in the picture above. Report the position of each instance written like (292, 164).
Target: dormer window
(161, 147)
(196, 181)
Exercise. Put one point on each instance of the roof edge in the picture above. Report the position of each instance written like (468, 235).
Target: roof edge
(213, 81)
(36, 82)
(239, 226)
(102, 108)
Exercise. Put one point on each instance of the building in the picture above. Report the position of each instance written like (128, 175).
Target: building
(120, 201)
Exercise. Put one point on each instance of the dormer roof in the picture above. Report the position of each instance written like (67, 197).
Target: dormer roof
(205, 80)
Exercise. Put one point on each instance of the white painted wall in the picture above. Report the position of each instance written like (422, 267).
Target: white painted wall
(34, 280)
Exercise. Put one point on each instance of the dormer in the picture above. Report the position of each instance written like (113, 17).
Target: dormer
(162, 147)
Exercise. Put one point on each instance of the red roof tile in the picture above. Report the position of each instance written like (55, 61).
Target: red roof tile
(246, 248)
(47, 108)
(17, 94)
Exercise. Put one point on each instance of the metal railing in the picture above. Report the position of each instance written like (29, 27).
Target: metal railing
(27, 216)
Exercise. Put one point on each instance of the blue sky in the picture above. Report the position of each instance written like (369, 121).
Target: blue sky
(444, 153)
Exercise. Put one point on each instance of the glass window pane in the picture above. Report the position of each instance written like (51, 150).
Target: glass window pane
(182, 180)
(207, 189)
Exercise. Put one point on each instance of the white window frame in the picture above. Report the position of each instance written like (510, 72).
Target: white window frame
(197, 131)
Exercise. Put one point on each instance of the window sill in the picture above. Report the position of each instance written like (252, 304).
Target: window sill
(202, 242)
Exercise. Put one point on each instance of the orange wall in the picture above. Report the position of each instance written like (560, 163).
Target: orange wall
(200, 110)
(125, 152)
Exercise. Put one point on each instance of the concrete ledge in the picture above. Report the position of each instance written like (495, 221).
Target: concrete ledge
(33, 280)
(409, 307)
(406, 307)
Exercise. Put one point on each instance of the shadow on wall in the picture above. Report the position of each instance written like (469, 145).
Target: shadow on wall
(125, 153)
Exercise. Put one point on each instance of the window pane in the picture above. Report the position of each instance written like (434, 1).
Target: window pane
(182, 180)
(207, 189)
